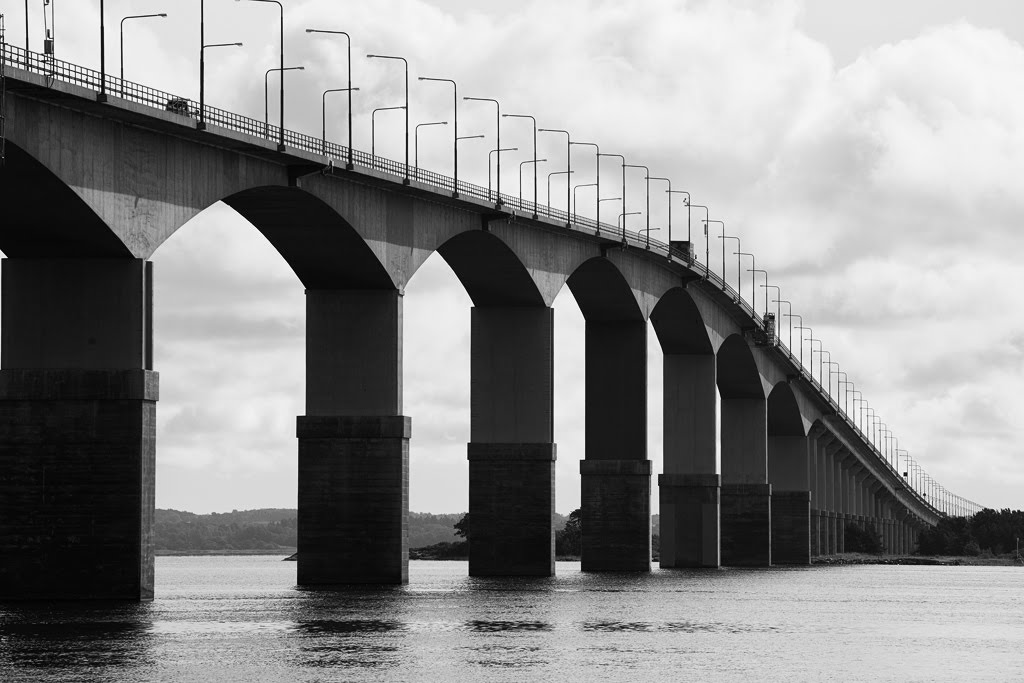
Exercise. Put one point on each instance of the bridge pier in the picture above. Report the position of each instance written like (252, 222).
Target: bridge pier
(690, 488)
(511, 454)
(353, 492)
(77, 429)
(616, 474)
(746, 493)
(791, 500)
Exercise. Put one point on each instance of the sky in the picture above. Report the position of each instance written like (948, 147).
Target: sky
(870, 154)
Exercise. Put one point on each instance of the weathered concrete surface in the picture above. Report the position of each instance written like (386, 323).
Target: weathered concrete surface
(511, 500)
(791, 524)
(511, 454)
(690, 520)
(616, 508)
(746, 525)
(353, 500)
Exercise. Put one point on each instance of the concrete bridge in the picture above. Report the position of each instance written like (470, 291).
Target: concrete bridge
(93, 185)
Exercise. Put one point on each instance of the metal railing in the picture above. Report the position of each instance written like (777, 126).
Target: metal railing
(332, 151)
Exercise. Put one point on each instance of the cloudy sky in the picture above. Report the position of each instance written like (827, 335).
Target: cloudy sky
(870, 154)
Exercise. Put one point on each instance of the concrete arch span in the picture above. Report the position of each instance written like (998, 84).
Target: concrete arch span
(789, 467)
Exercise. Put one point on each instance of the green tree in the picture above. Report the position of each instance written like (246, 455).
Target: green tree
(462, 527)
(569, 541)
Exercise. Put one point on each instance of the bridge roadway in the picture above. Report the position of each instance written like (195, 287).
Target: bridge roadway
(92, 188)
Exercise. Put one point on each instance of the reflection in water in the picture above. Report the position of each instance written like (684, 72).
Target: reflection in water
(108, 639)
(241, 619)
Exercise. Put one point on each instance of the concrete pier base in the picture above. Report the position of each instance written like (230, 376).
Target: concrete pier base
(746, 525)
(77, 477)
(791, 525)
(616, 512)
(353, 500)
(815, 532)
(512, 498)
(690, 523)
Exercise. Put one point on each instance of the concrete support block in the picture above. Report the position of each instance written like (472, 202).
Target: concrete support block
(840, 532)
(353, 500)
(833, 533)
(511, 502)
(791, 527)
(616, 515)
(690, 520)
(77, 479)
(746, 525)
(815, 532)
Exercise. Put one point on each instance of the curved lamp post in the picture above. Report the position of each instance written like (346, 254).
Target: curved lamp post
(416, 135)
(497, 144)
(574, 197)
(202, 78)
(266, 98)
(323, 116)
(792, 315)
(534, 160)
(373, 132)
(810, 333)
(597, 181)
(568, 169)
(489, 163)
(568, 188)
(133, 16)
(602, 154)
(707, 254)
(348, 42)
(647, 178)
(406, 63)
(765, 273)
(521, 164)
(455, 133)
(281, 67)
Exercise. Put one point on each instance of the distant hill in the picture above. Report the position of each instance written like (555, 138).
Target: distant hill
(274, 530)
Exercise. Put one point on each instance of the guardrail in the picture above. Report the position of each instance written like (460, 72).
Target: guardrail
(113, 86)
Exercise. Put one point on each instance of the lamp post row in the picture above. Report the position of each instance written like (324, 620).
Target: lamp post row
(570, 190)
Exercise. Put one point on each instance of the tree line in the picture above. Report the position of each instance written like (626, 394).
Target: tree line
(987, 532)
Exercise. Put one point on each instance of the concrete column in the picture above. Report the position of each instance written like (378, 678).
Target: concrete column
(840, 504)
(746, 493)
(821, 458)
(512, 454)
(832, 453)
(788, 472)
(690, 488)
(77, 429)
(353, 442)
(812, 478)
(616, 475)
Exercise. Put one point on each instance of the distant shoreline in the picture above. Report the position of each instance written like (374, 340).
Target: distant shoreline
(927, 560)
(204, 553)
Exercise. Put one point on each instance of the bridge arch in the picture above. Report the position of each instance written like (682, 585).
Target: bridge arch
(491, 272)
(45, 217)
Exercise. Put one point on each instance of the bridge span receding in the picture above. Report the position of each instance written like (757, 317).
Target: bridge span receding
(78, 389)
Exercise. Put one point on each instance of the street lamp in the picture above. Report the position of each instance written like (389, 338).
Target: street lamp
(455, 132)
(568, 169)
(765, 272)
(707, 254)
(686, 202)
(323, 114)
(739, 247)
(528, 116)
(846, 393)
(281, 68)
(597, 182)
(373, 132)
(133, 16)
(600, 154)
(266, 97)
(497, 145)
(647, 178)
(831, 363)
(574, 197)
(606, 199)
(348, 42)
(810, 333)
(458, 139)
(792, 315)
(753, 263)
(416, 135)
(622, 219)
(568, 187)
(202, 65)
(406, 62)
(489, 163)
(521, 164)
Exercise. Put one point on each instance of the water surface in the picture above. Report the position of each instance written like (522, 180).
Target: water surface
(242, 619)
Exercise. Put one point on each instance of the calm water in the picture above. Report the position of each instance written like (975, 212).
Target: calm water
(241, 619)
